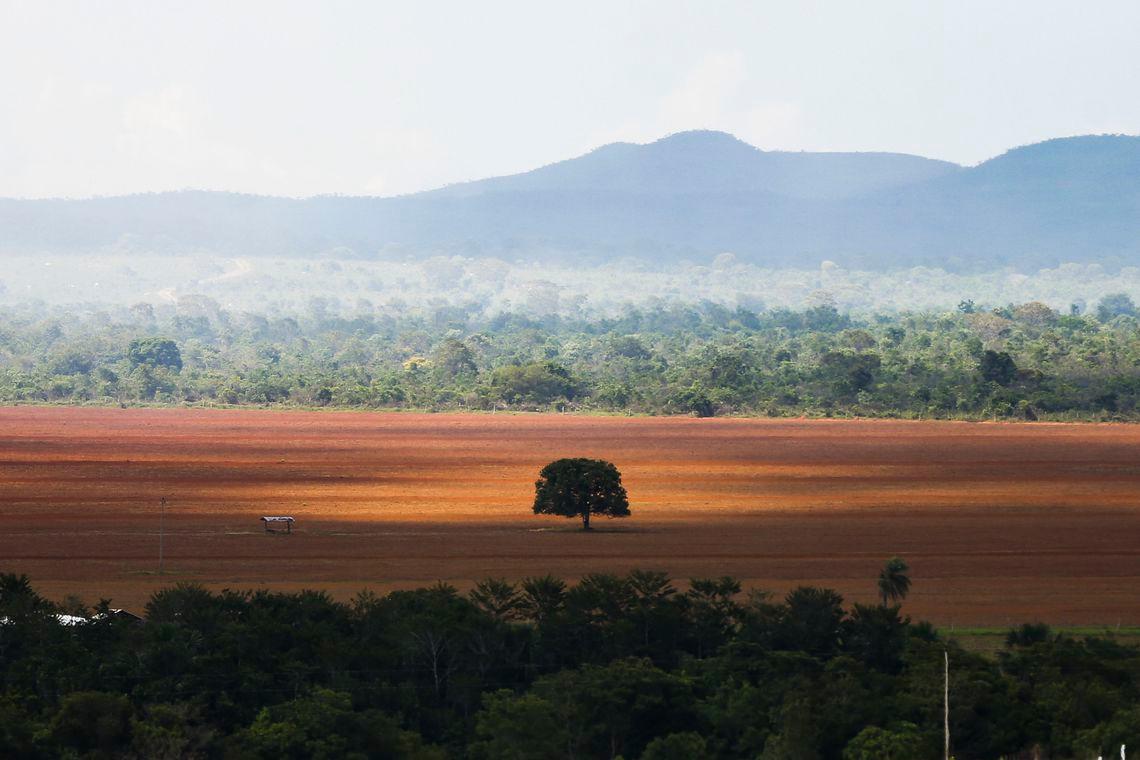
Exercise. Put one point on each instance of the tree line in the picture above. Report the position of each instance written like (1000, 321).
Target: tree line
(1024, 361)
(610, 666)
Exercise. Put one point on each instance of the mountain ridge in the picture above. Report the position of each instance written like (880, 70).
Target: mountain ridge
(687, 195)
(706, 160)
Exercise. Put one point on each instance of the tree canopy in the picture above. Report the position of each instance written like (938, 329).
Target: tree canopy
(894, 580)
(1017, 361)
(155, 352)
(580, 488)
(632, 665)
(1115, 305)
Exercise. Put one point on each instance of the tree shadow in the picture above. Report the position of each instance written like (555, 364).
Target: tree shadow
(594, 529)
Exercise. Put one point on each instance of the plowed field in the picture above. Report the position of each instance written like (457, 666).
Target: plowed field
(1000, 522)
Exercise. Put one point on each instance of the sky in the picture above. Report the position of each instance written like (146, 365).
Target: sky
(383, 98)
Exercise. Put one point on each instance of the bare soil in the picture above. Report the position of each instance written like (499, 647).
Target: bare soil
(1001, 523)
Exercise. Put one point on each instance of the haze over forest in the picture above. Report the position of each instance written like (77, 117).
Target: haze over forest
(694, 216)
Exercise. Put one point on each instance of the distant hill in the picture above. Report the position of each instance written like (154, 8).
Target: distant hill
(691, 195)
(710, 163)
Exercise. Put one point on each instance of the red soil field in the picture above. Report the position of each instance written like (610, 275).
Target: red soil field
(1001, 523)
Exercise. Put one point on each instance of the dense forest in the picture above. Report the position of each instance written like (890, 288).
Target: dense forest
(1024, 361)
(608, 667)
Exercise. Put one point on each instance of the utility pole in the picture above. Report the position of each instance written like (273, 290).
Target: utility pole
(946, 706)
(161, 532)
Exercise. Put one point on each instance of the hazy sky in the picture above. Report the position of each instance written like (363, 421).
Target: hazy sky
(299, 99)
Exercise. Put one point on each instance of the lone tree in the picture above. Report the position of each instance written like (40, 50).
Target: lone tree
(894, 581)
(573, 487)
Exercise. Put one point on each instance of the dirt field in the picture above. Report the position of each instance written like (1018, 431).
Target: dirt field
(1000, 523)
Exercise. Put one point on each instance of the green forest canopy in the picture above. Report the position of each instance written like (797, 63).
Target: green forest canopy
(629, 666)
(1022, 361)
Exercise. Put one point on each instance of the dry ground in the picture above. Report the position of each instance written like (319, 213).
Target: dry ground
(1001, 522)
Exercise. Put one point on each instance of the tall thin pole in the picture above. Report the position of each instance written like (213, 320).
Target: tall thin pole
(946, 706)
(161, 532)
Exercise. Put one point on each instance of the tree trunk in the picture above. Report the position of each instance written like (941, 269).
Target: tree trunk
(586, 520)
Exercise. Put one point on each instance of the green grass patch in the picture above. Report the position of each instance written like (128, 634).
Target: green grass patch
(990, 640)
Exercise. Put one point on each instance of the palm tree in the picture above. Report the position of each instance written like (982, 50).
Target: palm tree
(894, 583)
(542, 597)
(497, 597)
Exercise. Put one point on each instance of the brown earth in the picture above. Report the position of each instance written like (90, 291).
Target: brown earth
(1001, 523)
